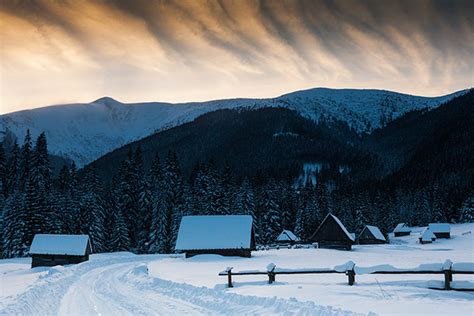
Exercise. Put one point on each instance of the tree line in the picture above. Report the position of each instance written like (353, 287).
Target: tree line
(141, 209)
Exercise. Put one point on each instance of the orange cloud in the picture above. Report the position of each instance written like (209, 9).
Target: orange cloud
(190, 50)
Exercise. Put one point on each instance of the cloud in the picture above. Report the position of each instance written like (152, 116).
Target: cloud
(68, 51)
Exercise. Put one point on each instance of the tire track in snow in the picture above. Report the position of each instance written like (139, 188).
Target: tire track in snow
(102, 291)
(120, 285)
(44, 297)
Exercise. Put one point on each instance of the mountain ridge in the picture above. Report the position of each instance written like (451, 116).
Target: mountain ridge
(86, 131)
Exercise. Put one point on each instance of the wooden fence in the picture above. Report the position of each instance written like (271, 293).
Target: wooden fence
(448, 269)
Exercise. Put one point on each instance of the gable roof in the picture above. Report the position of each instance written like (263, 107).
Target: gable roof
(56, 244)
(427, 235)
(402, 228)
(287, 235)
(439, 227)
(215, 232)
(351, 236)
(338, 222)
(375, 231)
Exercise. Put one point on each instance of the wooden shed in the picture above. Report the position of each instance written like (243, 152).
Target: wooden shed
(287, 237)
(401, 230)
(440, 230)
(332, 234)
(226, 235)
(51, 250)
(427, 237)
(371, 235)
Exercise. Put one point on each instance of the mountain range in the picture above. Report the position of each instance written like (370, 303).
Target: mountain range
(85, 132)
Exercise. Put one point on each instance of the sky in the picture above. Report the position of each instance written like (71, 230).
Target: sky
(55, 52)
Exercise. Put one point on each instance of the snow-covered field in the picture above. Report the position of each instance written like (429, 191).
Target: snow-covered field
(123, 283)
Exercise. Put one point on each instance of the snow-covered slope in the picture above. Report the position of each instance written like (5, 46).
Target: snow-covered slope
(84, 132)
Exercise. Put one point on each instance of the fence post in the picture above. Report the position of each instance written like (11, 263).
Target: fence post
(271, 274)
(351, 275)
(229, 277)
(448, 274)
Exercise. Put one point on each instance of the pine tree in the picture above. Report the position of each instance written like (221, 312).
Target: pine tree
(64, 213)
(271, 224)
(145, 207)
(134, 198)
(36, 217)
(40, 168)
(361, 204)
(467, 209)
(288, 206)
(14, 227)
(13, 170)
(438, 213)
(309, 214)
(227, 193)
(245, 202)
(167, 208)
(3, 172)
(91, 210)
(119, 239)
(25, 161)
(161, 226)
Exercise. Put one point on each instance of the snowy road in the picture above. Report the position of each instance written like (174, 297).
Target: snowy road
(120, 285)
(103, 291)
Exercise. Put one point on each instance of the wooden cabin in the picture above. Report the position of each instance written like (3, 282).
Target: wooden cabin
(371, 235)
(332, 234)
(287, 237)
(427, 237)
(51, 250)
(226, 235)
(401, 230)
(440, 230)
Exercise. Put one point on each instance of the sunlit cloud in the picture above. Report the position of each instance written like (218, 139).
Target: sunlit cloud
(189, 50)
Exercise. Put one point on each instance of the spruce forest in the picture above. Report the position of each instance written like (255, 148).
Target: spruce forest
(133, 199)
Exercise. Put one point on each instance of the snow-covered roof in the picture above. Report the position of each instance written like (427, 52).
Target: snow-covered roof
(375, 231)
(427, 235)
(402, 228)
(51, 244)
(287, 235)
(215, 232)
(439, 227)
(351, 236)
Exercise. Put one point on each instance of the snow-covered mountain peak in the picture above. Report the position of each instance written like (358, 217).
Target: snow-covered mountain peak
(87, 131)
(108, 101)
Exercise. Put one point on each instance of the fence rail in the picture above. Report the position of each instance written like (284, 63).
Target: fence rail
(448, 269)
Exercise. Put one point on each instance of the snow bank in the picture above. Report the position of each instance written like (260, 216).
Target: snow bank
(221, 301)
(435, 267)
(349, 265)
(55, 272)
(463, 266)
(462, 285)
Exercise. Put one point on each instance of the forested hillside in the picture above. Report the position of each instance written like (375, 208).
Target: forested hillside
(285, 170)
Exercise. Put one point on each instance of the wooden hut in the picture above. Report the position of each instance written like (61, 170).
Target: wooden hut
(332, 234)
(371, 235)
(401, 230)
(287, 237)
(226, 235)
(51, 250)
(427, 237)
(440, 230)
